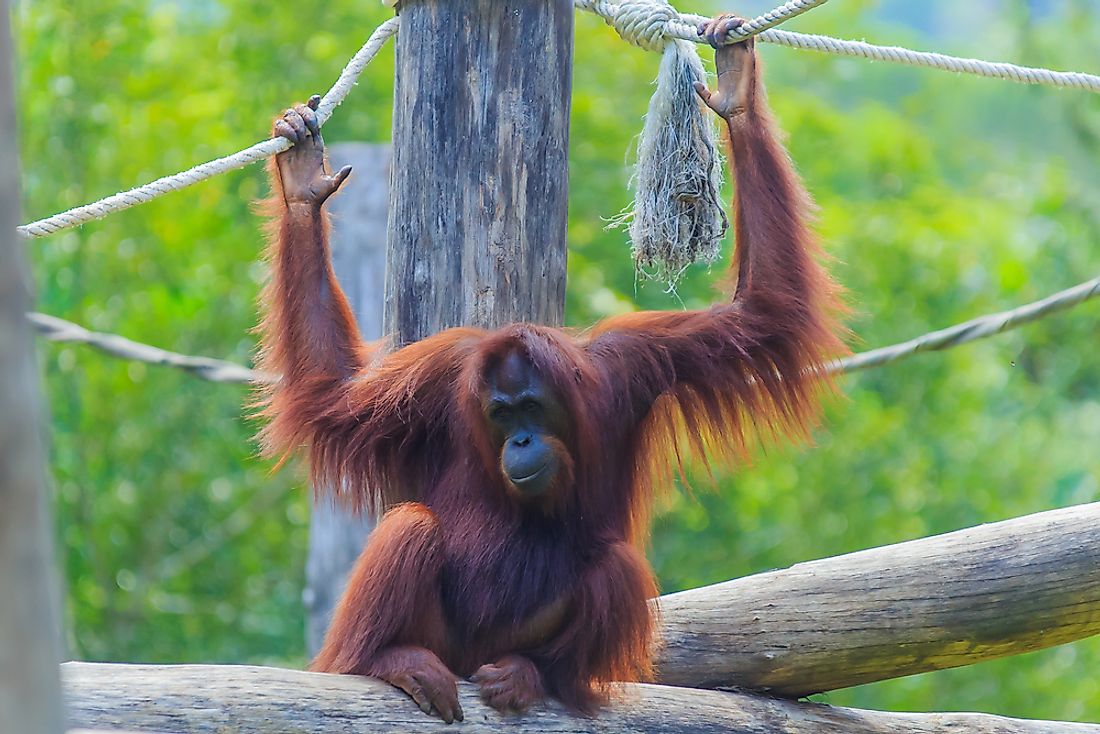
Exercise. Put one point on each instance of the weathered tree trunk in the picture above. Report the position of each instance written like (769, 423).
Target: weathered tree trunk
(208, 699)
(30, 698)
(956, 599)
(358, 239)
(938, 602)
(481, 141)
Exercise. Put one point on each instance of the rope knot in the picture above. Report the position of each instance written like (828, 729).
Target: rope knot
(644, 22)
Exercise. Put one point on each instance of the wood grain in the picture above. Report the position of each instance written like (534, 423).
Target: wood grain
(923, 605)
(480, 176)
(205, 699)
(30, 699)
(940, 602)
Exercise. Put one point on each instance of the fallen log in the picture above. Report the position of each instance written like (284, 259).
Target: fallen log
(231, 699)
(939, 602)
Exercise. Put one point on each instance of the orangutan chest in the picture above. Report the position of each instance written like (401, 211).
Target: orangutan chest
(524, 591)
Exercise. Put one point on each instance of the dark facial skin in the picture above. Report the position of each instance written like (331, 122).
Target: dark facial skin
(522, 414)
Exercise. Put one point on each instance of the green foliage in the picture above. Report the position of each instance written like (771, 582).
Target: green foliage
(942, 197)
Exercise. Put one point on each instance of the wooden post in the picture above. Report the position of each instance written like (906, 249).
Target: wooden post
(480, 165)
(359, 257)
(30, 695)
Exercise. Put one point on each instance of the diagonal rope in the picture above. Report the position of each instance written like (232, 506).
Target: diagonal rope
(257, 152)
(213, 370)
(770, 19)
(652, 23)
(968, 331)
(217, 370)
(643, 22)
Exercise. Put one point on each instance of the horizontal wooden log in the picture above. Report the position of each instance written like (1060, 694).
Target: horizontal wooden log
(940, 602)
(210, 699)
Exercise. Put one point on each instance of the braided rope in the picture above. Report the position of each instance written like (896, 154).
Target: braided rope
(217, 370)
(968, 331)
(931, 60)
(652, 23)
(629, 19)
(257, 152)
(648, 23)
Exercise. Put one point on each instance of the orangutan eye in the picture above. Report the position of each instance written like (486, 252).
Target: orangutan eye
(530, 407)
(500, 414)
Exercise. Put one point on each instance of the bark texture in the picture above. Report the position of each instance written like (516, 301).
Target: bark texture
(29, 648)
(480, 168)
(956, 599)
(206, 699)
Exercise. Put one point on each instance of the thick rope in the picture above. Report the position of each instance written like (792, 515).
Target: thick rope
(217, 370)
(646, 22)
(258, 152)
(930, 60)
(653, 21)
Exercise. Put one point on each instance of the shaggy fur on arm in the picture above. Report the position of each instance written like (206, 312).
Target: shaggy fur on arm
(752, 366)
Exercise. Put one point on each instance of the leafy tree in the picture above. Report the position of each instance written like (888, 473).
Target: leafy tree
(942, 197)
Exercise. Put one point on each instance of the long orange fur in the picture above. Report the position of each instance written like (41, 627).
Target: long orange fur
(459, 568)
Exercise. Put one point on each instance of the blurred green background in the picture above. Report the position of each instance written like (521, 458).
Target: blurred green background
(942, 196)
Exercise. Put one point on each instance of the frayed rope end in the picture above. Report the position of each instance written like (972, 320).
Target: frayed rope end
(677, 218)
